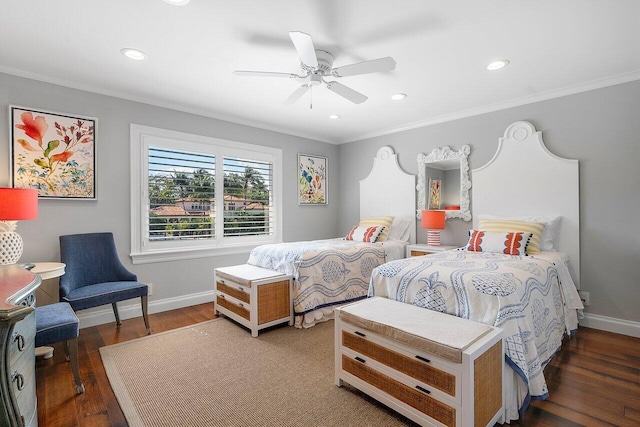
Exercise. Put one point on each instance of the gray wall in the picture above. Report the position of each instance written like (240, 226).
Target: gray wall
(600, 128)
(111, 211)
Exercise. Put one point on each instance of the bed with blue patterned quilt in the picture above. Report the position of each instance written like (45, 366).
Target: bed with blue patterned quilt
(531, 297)
(325, 272)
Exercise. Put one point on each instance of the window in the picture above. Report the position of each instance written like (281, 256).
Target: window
(195, 196)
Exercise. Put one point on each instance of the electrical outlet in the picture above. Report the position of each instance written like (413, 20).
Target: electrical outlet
(584, 297)
(150, 285)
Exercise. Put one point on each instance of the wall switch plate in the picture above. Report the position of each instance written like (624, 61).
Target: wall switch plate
(584, 297)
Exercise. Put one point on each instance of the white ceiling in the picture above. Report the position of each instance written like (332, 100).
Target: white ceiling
(441, 49)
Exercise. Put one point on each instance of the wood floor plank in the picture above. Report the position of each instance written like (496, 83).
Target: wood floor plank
(593, 381)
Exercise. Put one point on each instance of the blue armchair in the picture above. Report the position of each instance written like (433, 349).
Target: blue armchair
(94, 275)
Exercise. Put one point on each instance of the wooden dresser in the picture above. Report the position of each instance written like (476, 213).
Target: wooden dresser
(18, 405)
(436, 369)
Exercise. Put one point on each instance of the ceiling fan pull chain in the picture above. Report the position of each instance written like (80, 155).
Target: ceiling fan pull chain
(311, 98)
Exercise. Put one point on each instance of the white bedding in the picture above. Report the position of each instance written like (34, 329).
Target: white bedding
(532, 298)
(326, 273)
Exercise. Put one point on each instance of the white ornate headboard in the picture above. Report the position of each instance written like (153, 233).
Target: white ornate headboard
(524, 178)
(388, 190)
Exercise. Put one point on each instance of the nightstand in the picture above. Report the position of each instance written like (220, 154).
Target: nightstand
(422, 249)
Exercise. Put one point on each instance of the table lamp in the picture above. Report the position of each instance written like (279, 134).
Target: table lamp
(15, 204)
(433, 221)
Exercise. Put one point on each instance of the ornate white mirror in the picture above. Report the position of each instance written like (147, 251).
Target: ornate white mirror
(443, 182)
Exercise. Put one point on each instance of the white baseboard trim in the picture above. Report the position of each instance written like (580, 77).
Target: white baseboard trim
(133, 309)
(611, 324)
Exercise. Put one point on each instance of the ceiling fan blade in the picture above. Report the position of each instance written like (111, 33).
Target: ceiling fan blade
(264, 74)
(297, 94)
(373, 66)
(345, 92)
(304, 45)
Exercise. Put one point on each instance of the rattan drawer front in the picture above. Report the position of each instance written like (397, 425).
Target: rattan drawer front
(274, 301)
(235, 291)
(414, 368)
(235, 308)
(412, 397)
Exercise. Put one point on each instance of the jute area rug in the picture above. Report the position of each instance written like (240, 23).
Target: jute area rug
(215, 374)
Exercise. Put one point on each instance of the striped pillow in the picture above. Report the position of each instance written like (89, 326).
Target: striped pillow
(535, 228)
(364, 234)
(378, 221)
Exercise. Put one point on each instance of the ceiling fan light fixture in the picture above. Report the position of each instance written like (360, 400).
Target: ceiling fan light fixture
(334, 116)
(398, 96)
(135, 54)
(497, 65)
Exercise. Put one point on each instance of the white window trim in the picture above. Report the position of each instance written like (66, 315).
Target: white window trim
(142, 251)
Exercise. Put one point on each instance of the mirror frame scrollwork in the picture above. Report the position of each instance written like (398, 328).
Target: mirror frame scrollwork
(445, 153)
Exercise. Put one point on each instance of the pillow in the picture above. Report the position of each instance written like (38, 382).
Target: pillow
(364, 234)
(501, 225)
(549, 234)
(378, 221)
(400, 229)
(508, 242)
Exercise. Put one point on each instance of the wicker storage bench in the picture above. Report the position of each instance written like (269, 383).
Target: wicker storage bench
(434, 368)
(252, 296)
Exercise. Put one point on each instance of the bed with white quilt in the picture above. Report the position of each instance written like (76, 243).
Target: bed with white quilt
(518, 271)
(330, 272)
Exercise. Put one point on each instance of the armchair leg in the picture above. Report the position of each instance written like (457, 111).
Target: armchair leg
(115, 311)
(72, 344)
(145, 314)
(65, 345)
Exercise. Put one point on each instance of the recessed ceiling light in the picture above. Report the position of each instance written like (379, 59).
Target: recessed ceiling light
(334, 116)
(496, 65)
(398, 96)
(134, 54)
(177, 2)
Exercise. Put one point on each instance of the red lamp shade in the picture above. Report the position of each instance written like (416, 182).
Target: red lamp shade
(433, 220)
(18, 204)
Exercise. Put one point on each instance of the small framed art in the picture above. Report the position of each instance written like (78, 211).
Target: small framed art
(312, 180)
(435, 193)
(54, 153)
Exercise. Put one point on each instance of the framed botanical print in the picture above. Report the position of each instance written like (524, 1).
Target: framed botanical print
(54, 153)
(435, 193)
(312, 180)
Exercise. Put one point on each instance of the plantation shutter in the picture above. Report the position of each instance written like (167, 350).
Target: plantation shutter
(248, 197)
(181, 188)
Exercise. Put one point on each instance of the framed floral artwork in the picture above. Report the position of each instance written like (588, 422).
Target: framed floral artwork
(435, 193)
(53, 153)
(312, 180)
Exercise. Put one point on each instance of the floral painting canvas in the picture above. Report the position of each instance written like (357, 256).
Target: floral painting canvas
(312, 180)
(53, 153)
(435, 191)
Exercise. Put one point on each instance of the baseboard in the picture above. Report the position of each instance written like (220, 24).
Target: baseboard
(131, 308)
(611, 324)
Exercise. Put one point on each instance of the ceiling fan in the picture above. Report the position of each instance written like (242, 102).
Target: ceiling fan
(317, 66)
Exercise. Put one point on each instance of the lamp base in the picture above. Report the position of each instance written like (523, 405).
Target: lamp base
(10, 247)
(433, 237)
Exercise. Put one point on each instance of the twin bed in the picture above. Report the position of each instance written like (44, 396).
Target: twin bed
(531, 294)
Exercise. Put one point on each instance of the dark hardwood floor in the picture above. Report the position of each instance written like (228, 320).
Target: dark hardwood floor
(593, 381)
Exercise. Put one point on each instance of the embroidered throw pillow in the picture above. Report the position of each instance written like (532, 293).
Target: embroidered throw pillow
(497, 225)
(509, 243)
(378, 221)
(364, 234)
